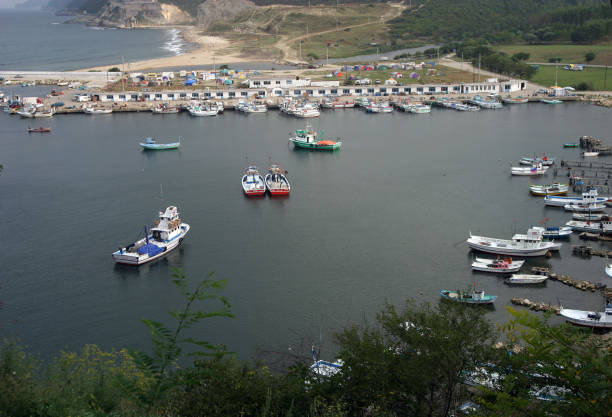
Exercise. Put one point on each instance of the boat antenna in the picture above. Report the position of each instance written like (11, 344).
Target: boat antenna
(161, 192)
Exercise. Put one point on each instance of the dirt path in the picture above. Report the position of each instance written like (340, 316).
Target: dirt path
(287, 44)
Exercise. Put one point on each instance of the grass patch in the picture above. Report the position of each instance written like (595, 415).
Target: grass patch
(592, 76)
(570, 54)
(439, 75)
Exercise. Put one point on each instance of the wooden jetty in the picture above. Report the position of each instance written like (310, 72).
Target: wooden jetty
(584, 250)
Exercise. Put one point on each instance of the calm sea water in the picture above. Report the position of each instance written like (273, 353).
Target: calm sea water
(384, 219)
(41, 41)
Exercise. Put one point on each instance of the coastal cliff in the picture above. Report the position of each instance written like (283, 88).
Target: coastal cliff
(212, 10)
(135, 13)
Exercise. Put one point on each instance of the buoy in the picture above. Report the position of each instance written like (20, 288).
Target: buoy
(548, 254)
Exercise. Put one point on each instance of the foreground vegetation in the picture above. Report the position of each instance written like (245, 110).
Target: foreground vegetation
(420, 360)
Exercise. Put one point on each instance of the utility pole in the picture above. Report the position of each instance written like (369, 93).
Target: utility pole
(300, 49)
(479, 67)
(336, 15)
(327, 54)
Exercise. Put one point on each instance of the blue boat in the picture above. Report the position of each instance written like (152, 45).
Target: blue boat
(151, 144)
(468, 297)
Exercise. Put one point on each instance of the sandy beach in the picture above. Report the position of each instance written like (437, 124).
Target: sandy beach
(209, 50)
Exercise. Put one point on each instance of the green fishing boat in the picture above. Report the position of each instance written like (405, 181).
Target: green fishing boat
(307, 139)
(570, 145)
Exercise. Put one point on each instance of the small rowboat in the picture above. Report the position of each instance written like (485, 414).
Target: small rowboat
(570, 145)
(549, 189)
(526, 279)
(506, 265)
(151, 144)
(587, 154)
(468, 297)
(39, 130)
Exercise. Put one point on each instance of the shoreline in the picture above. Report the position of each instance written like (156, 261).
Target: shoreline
(205, 52)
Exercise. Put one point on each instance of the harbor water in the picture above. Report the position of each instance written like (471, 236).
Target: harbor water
(384, 219)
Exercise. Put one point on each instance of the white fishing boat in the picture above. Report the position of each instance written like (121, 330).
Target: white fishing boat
(256, 108)
(544, 160)
(96, 110)
(418, 108)
(499, 265)
(589, 154)
(590, 217)
(164, 109)
(554, 232)
(530, 244)
(202, 111)
(609, 270)
(596, 319)
(253, 183)
(588, 197)
(526, 279)
(536, 169)
(604, 227)
(166, 235)
(276, 181)
(549, 189)
(585, 208)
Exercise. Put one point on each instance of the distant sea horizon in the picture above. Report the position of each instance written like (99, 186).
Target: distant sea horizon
(35, 40)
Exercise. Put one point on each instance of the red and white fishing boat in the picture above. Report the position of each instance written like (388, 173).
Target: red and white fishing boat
(499, 265)
(276, 181)
(253, 183)
(39, 130)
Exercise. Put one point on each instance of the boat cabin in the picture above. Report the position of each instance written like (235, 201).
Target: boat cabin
(167, 225)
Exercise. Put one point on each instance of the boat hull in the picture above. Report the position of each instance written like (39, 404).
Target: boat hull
(136, 259)
(581, 318)
(525, 279)
(159, 146)
(509, 251)
(316, 146)
(453, 296)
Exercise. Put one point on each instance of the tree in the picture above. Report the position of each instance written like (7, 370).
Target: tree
(558, 370)
(589, 56)
(520, 56)
(413, 362)
(114, 69)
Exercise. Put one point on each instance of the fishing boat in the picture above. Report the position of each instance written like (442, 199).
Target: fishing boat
(152, 144)
(604, 227)
(256, 108)
(550, 101)
(252, 182)
(530, 244)
(164, 109)
(499, 265)
(516, 100)
(609, 270)
(590, 196)
(536, 169)
(96, 110)
(418, 108)
(589, 154)
(544, 160)
(585, 208)
(601, 319)
(468, 297)
(39, 130)
(201, 111)
(526, 279)
(549, 189)
(39, 113)
(553, 232)
(590, 217)
(307, 138)
(486, 103)
(276, 181)
(570, 145)
(166, 235)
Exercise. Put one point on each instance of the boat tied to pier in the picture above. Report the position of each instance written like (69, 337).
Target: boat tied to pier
(590, 196)
(527, 245)
(167, 234)
(499, 265)
(164, 109)
(526, 279)
(549, 189)
(252, 182)
(535, 169)
(307, 139)
(94, 109)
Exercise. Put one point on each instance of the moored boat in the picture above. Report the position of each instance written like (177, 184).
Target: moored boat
(39, 130)
(166, 235)
(544, 160)
(601, 319)
(252, 182)
(590, 217)
(96, 110)
(503, 266)
(276, 181)
(571, 145)
(549, 189)
(152, 144)
(468, 297)
(307, 139)
(536, 169)
(164, 109)
(550, 101)
(530, 244)
(604, 227)
(585, 208)
(609, 270)
(526, 279)
(589, 154)
(591, 196)
(553, 232)
(515, 100)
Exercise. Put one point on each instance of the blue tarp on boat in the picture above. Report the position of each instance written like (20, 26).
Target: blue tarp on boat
(151, 249)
